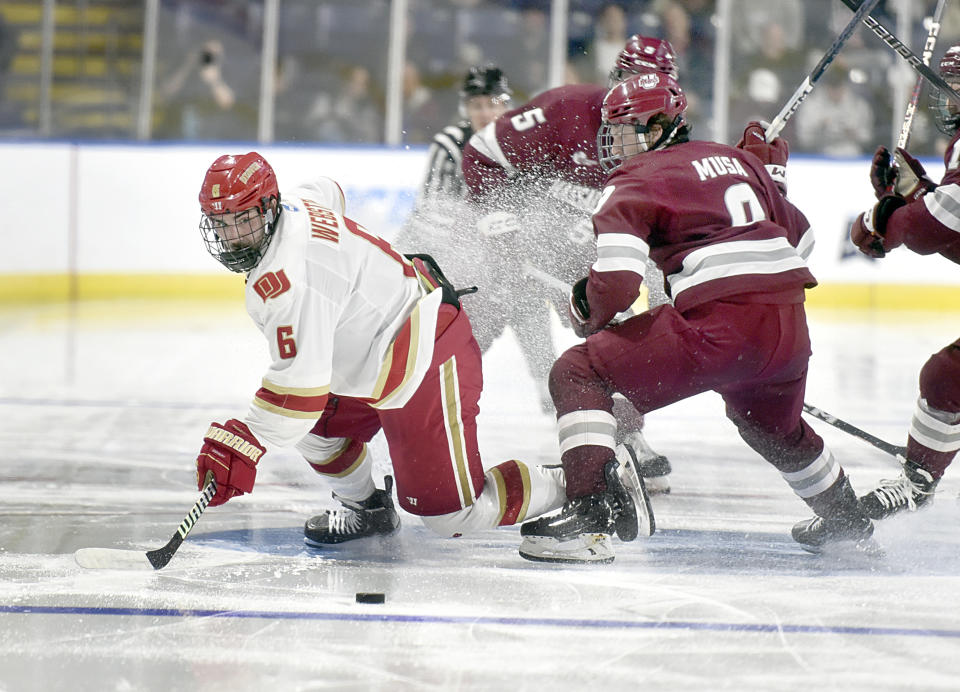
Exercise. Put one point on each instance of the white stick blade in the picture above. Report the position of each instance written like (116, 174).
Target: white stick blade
(112, 558)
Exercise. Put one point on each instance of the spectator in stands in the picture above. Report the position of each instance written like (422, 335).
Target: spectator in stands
(527, 60)
(196, 102)
(765, 78)
(610, 34)
(351, 115)
(754, 18)
(422, 113)
(835, 120)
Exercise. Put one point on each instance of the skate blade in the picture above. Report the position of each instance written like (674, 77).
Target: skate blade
(866, 548)
(636, 486)
(343, 540)
(585, 548)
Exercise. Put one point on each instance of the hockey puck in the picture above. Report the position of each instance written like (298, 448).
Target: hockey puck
(370, 597)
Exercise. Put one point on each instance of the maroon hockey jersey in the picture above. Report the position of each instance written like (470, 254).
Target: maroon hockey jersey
(552, 136)
(710, 217)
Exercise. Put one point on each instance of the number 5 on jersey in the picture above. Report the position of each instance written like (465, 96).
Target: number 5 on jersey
(527, 119)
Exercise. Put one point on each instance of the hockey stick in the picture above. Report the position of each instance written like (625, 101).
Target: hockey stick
(790, 107)
(912, 59)
(927, 55)
(546, 279)
(883, 446)
(113, 558)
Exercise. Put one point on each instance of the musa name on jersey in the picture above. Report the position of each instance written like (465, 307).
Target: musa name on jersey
(343, 314)
(709, 216)
(932, 225)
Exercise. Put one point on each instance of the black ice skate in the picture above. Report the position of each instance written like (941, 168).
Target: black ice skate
(652, 466)
(912, 490)
(374, 516)
(846, 529)
(852, 530)
(582, 530)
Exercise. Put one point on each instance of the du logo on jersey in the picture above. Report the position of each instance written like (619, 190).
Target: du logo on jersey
(271, 285)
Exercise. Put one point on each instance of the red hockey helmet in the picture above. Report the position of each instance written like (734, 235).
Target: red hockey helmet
(946, 111)
(629, 111)
(644, 54)
(239, 217)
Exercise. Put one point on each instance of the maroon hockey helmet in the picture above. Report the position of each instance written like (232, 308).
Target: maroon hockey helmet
(239, 217)
(627, 112)
(644, 54)
(946, 111)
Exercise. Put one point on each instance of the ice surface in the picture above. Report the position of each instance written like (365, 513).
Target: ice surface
(103, 406)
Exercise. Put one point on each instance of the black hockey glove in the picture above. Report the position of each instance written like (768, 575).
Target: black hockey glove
(579, 308)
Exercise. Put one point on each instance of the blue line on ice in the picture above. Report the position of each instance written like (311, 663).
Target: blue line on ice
(456, 620)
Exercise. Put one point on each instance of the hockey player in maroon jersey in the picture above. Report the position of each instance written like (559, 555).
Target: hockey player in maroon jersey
(535, 177)
(925, 217)
(713, 220)
(361, 338)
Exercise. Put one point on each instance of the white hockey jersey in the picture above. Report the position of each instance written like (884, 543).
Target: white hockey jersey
(343, 313)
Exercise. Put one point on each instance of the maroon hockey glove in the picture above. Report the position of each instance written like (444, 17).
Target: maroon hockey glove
(579, 309)
(231, 452)
(772, 155)
(882, 173)
(912, 181)
(869, 231)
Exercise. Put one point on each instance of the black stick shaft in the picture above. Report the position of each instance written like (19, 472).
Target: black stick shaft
(882, 445)
(161, 556)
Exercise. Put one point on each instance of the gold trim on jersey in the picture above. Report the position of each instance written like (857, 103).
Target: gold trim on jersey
(409, 368)
(502, 496)
(450, 397)
(347, 471)
(292, 402)
(288, 413)
(296, 391)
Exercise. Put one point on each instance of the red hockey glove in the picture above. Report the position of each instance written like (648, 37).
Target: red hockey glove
(231, 452)
(912, 181)
(882, 173)
(869, 232)
(579, 309)
(772, 155)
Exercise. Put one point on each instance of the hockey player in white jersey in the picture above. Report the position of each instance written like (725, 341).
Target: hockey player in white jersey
(361, 339)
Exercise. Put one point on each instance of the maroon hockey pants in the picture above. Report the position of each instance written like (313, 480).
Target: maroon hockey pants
(940, 386)
(433, 438)
(753, 354)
